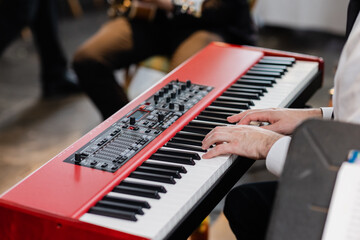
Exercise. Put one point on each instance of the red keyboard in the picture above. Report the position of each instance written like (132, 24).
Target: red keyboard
(139, 174)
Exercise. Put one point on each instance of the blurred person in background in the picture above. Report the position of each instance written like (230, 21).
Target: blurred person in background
(41, 17)
(174, 29)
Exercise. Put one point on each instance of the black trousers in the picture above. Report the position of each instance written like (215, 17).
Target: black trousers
(248, 208)
(121, 42)
(41, 17)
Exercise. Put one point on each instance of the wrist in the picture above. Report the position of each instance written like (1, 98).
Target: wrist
(316, 112)
(272, 138)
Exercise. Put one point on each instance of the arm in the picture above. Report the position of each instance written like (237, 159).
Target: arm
(347, 79)
(281, 120)
(260, 142)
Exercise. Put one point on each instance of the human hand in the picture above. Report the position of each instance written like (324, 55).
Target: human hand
(282, 120)
(247, 141)
(163, 4)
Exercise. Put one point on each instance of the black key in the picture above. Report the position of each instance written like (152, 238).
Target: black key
(230, 105)
(184, 146)
(196, 129)
(172, 158)
(270, 79)
(179, 168)
(193, 155)
(153, 177)
(273, 62)
(213, 119)
(173, 173)
(136, 191)
(121, 214)
(154, 187)
(265, 69)
(263, 73)
(263, 89)
(215, 109)
(212, 113)
(225, 109)
(271, 66)
(244, 90)
(236, 100)
(242, 95)
(120, 206)
(256, 82)
(200, 123)
(141, 203)
(277, 58)
(186, 141)
(195, 136)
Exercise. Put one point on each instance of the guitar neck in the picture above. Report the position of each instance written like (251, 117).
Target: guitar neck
(137, 9)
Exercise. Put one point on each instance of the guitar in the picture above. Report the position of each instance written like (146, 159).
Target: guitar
(137, 9)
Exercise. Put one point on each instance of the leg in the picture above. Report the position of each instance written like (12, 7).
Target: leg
(248, 209)
(194, 43)
(14, 16)
(45, 30)
(55, 79)
(114, 46)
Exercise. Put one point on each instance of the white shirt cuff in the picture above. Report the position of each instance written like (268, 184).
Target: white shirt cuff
(276, 157)
(327, 112)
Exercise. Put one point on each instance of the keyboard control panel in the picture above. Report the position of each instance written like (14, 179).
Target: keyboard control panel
(121, 141)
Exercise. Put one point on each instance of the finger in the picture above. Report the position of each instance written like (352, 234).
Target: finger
(217, 137)
(218, 150)
(239, 116)
(236, 117)
(216, 129)
(273, 127)
(259, 116)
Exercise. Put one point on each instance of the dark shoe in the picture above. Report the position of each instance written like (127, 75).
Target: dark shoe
(59, 87)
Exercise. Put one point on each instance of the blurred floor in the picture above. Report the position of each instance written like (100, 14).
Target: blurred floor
(32, 130)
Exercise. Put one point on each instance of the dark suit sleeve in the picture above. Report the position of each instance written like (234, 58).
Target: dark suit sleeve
(353, 11)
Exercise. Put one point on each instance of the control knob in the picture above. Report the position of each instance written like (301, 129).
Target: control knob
(188, 83)
(78, 157)
(161, 117)
(132, 120)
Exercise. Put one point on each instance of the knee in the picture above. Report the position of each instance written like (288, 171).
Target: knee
(82, 58)
(241, 201)
(233, 202)
(87, 65)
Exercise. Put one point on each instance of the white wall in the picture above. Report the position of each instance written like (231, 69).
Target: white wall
(323, 15)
